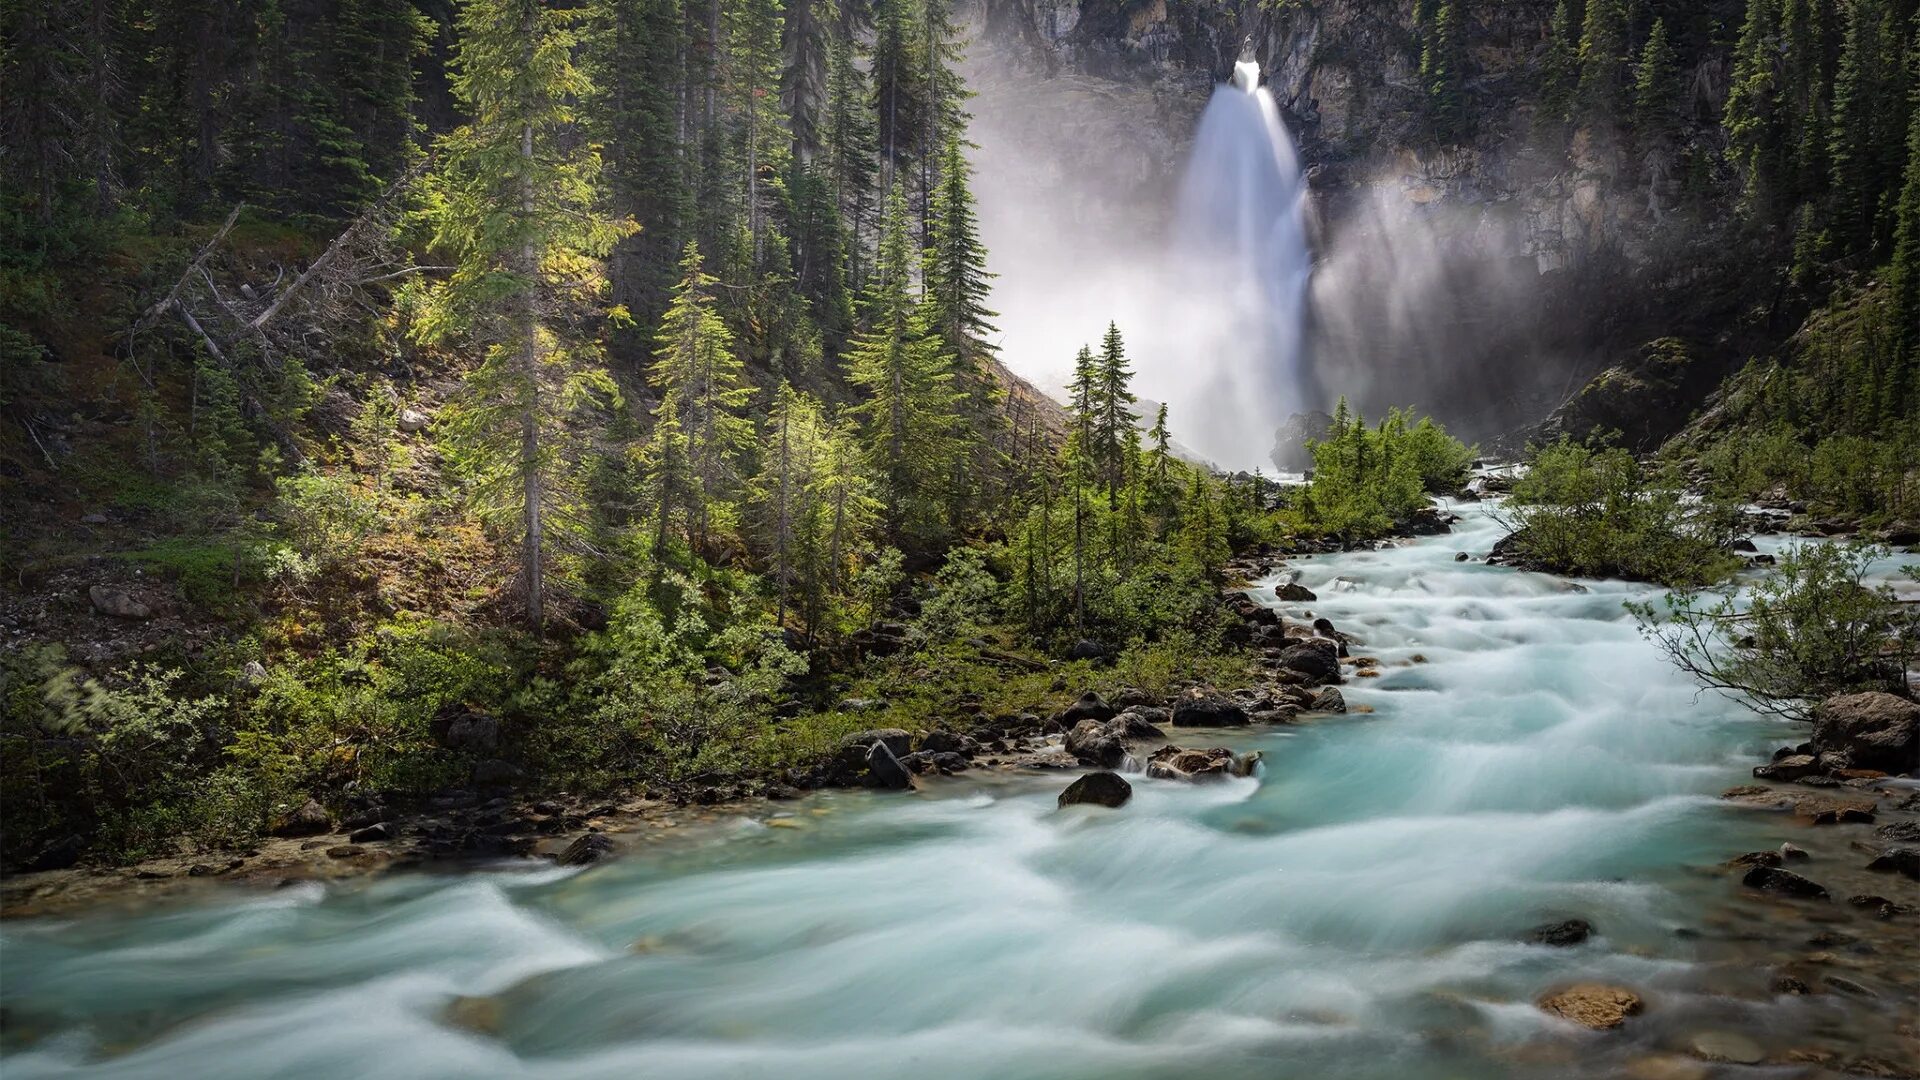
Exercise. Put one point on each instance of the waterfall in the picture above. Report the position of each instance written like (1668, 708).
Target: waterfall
(1239, 297)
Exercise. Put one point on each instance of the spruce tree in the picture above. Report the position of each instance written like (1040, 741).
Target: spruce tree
(634, 55)
(1604, 62)
(751, 69)
(1560, 80)
(899, 87)
(1757, 140)
(514, 202)
(1443, 72)
(700, 432)
(1656, 89)
(1870, 103)
(1117, 437)
(907, 374)
(1903, 279)
(850, 152)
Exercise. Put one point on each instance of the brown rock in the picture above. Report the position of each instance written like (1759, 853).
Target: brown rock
(1593, 1005)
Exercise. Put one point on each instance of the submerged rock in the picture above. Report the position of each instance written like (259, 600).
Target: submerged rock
(1726, 1046)
(1561, 934)
(1593, 1005)
(587, 848)
(1097, 789)
(1329, 700)
(1898, 861)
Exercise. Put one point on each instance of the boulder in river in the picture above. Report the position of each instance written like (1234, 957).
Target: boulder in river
(1202, 707)
(1095, 742)
(1318, 660)
(1097, 789)
(1294, 593)
(1900, 860)
(1873, 730)
(1561, 934)
(1329, 699)
(586, 848)
(1593, 1005)
(1192, 766)
(1785, 882)
(884, 770)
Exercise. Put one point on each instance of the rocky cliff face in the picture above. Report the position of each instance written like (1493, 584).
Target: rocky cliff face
(1485, 281)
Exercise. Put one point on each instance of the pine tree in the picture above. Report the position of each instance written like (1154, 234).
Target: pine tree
(1656, 89)
(1870, 103)
(899, 87)
(1117, 438)
(1903, 280)
(1560, 80)
(514, 203)
(945, 123)
(1604, 60)
(956, 262)
(1756, 136)
(1443, 72)
(908, 377)
(699, 430)
(850, 153)
(635, 54)
(751, 68)
(1160, 465)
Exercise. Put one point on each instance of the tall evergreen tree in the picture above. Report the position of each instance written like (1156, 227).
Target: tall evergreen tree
(1870, 103)
(900, 92)
(1656, 89)
(635, 54)
(1604, 61)
(700, 432)
(1755, 120)
(514, 202)
(1560, 79)
(907, 374)
(1443, 71)
(1117, 436)
(751, 72)
(850, 152)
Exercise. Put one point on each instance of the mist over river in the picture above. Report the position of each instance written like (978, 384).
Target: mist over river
(1358, 909)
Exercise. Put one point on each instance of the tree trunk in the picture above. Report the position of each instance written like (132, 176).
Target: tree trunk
(532, 511)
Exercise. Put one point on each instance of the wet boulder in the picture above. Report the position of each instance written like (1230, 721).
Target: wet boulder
(585, 848)
(1293, 592)
(1900, 860)
(1097, 742)
(1097, 789)
(1190, 766)
(1329, 700)
(1561, 934)
(1317, 660)
(884, 770)
(1873, 730)
(1593, 1005)
(1144, 721)
(1790, 767)
(1784, 882)
(1202, 707)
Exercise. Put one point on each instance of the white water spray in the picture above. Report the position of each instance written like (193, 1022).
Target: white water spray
(1235, 351)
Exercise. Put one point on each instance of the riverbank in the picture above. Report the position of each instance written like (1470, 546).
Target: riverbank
(1364, 907)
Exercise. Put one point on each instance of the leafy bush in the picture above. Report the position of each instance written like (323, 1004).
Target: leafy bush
(965, 595)
(1367, 482)
(1811, 629)
(121, 764)
(1600, 513)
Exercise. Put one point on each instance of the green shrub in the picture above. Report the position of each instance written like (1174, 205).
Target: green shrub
(1368, 482)
(1600, 513)
(1812, 628)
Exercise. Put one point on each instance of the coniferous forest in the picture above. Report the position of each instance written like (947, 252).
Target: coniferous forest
(513, 429)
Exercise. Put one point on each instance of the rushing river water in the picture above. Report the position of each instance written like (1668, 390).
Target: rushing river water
(1358, 910)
